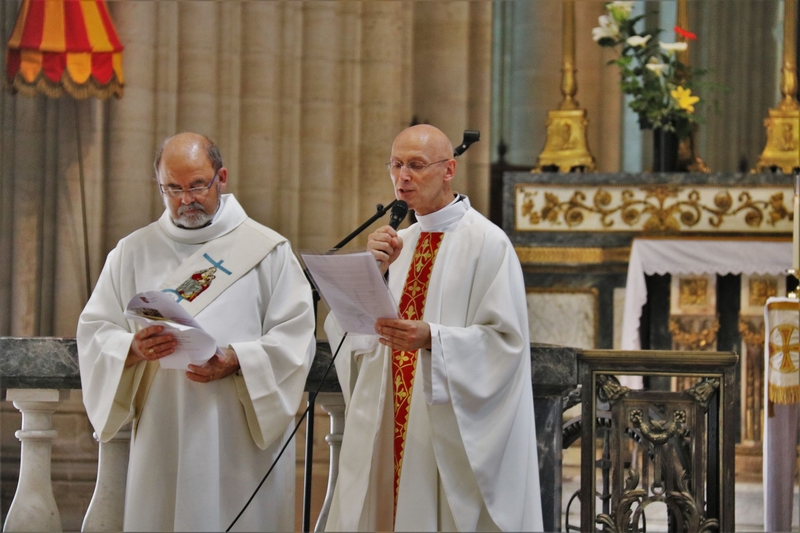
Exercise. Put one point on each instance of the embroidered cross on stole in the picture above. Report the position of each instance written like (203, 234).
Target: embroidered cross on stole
(412, 306)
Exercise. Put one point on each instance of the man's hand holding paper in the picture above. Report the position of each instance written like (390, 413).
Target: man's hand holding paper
(171, 336)
(150, 344)
(353, 288)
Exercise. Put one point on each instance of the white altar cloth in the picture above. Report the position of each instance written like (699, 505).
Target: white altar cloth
(694, 256)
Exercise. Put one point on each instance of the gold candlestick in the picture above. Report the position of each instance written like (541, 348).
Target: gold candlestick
(783, 124)
(565, 147)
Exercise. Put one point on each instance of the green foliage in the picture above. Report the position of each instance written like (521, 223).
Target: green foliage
(660, 86)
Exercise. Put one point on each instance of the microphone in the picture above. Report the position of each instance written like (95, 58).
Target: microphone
(470, 136)
(398, 214)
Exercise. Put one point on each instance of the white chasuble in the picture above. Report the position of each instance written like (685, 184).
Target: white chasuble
(200, 449)
(470, 456)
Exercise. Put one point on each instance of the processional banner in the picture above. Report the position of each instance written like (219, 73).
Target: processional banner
(782, 349)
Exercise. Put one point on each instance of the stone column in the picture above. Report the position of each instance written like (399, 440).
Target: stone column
(475, 164)
(106, 511)
(260, 175)
(29, 169)
(384, 105)
(198, 68)
(131, 126)
(319, 119)
(34, 507)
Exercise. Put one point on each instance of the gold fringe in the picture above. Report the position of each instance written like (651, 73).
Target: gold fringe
(784, 395)
(43, 85)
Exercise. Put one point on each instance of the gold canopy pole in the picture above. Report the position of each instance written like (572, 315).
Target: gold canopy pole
(687, 158)
(565, 147)
(783, 124)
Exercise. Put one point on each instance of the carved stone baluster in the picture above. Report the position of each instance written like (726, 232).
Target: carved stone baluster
(106, 510)
(333, 404)
(34, 506)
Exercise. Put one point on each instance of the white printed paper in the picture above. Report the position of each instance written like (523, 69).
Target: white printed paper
(353, 288)
(155, 308)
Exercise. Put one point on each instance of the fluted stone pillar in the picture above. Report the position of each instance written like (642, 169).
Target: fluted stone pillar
(28, 192)
(385, 103)
(198, 67)
(290, 79)
(320, 119)
(260, 173)
(130, 193)
(475, 164)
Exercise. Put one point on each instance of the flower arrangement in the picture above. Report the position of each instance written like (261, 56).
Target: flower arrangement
(650, 71)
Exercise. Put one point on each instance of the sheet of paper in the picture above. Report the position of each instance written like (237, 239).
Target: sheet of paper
(155, 308)
(353, 288)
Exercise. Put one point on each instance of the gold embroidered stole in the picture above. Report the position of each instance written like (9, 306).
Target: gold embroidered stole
(412, 306)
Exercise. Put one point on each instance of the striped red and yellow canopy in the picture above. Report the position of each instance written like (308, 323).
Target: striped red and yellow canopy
(65, 45)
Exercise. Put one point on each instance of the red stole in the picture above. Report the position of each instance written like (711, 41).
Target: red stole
(412, 307)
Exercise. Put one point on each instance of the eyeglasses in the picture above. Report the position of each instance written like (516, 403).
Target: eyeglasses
(177, 192)
(413, 166)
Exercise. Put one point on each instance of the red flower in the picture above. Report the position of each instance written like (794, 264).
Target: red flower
(685, 34)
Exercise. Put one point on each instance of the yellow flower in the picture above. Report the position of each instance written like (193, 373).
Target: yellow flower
(685, 99)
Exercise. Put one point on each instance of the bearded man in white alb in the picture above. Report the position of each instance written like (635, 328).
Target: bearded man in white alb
(439, 432)
(202, 437)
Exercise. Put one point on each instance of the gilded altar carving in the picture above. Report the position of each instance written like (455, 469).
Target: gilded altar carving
(701, 336)
(651, 208)
(693, 292)
(752, 335)
(762, 288)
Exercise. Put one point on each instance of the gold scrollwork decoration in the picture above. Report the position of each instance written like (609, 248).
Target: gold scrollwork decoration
(660, 204)
(688, 516)
(693, 340)
(703, 391)
(752, 336)
(658, 431)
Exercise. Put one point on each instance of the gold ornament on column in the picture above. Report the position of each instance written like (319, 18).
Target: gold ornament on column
(687, 158)
(783, 124)
(565, 146)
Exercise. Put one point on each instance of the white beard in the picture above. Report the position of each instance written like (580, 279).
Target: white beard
(193, 220)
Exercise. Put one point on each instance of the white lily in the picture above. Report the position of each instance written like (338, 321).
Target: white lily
(674, 47)
(608, 28)
(656, 66)
(638, 40)
(620, 10)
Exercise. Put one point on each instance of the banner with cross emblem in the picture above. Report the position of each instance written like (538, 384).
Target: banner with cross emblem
(782, 349)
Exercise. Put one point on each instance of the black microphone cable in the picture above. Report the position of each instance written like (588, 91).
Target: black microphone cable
(291, 437)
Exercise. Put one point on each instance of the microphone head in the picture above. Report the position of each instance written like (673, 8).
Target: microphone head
(399, 212)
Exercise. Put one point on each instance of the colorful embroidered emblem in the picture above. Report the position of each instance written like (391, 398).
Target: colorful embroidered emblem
(196, 284)
(412, 307)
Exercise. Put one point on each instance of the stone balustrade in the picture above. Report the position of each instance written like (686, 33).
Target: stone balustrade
(37, 373)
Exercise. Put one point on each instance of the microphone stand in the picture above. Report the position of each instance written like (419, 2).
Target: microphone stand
(380, 210)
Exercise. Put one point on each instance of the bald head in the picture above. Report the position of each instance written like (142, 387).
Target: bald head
(427, 137)
(428, 150)
(189, 146)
